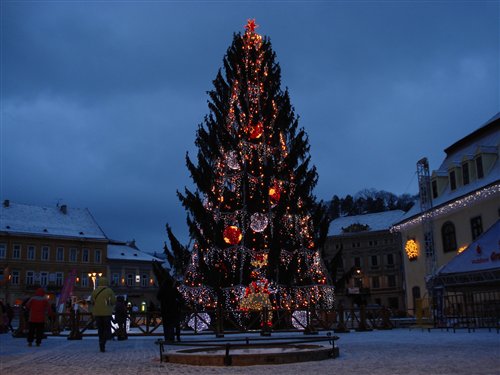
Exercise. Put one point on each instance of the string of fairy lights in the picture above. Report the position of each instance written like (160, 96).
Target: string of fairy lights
(475, 197)
(244, 197)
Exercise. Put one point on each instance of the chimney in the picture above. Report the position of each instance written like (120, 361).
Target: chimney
(6, 203)
(64, 209)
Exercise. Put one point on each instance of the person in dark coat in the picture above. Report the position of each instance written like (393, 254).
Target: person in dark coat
(171, 304)
(38, 307)
(121, 318)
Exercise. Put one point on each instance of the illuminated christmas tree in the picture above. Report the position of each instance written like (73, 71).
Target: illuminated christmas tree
(255, 224)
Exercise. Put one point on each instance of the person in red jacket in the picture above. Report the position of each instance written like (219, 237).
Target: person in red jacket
(38, 307)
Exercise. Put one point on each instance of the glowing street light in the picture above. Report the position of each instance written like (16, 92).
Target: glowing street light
(94, 276)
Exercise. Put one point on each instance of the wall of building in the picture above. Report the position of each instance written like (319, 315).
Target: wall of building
(415, 271)
(57, 269)
(383, 246)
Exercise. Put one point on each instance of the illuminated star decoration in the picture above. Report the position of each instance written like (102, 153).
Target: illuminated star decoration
(251, 25)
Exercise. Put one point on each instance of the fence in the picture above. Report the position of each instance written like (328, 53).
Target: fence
(77, 324)
(468, 310)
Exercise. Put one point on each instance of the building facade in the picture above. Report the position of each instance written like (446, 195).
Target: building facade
(465, 196)
(373, 255)
(53, 246)
(42, 246)
(131, 273)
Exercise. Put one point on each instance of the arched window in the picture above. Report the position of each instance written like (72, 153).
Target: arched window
(449, 237)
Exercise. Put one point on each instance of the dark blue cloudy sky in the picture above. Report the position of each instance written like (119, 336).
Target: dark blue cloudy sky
(100, 100)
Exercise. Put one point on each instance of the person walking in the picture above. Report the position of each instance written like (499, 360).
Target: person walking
(103, 300)
(38, 307)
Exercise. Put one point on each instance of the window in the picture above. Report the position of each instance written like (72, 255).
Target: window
(434, 189)
(115, 279)
(357, 261)
(465, 173)
(31, 252)
(476, 226)
(85, 255)
(16, 251)
(375, 282)
(97, 256)
(44, 278)
(73, 254)
(144, 280)
(30, 277)
(449, 237)
(59, 278)
(479, 167)
(85, 280)
(14, 280)
(60, 254)
(45, 253)
(391, 281)
(374, 260)
(390, 259)
(3, 251)
(130, 279)
(453, 180)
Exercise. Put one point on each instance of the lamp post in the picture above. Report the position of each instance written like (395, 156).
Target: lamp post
(94, 276)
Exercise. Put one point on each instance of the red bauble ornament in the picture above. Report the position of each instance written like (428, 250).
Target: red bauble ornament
(256, 130)
(232, 235)
(274, 193)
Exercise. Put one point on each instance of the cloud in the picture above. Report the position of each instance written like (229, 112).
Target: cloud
(101, 101)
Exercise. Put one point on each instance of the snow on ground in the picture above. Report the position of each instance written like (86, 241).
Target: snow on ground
(398, 351)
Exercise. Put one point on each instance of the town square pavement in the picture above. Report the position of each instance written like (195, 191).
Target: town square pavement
(398, 351)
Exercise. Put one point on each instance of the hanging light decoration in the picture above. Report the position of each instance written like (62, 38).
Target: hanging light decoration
(275, 193)
(232, 160)
(232, 235)
(256, 130)
(258, 222)
(411, 248)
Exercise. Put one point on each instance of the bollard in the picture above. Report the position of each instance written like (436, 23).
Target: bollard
(341, 327)
(219, 324)
(362, 320)
(227, 358)
(386, 320)
(265, 328)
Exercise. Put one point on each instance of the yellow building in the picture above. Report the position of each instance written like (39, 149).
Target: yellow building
(42, 246)
(464, 197)
(46, 246)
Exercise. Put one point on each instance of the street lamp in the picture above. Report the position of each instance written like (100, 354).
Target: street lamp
(94, 276)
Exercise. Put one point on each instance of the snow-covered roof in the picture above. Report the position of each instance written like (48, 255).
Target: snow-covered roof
(376, 222)
(482, 254)
(128, 252)
(486, 138)
(63, 221)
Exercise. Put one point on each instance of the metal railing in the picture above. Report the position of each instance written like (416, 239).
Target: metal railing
(76, 324)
